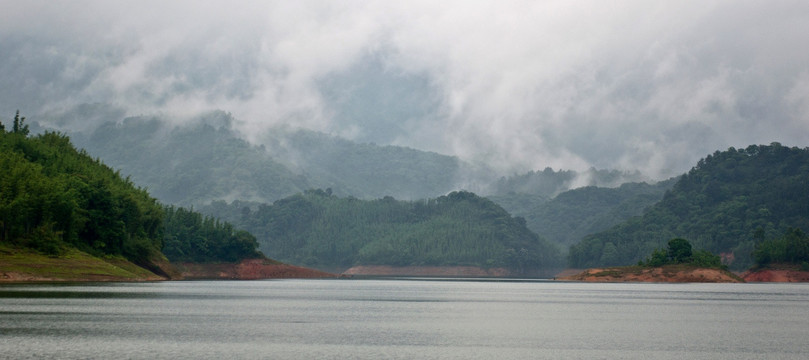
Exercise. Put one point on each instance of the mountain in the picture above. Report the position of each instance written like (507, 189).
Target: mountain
(549, 183)
(191, 164)
(319, 229)
(85, 218)
(365, 171)
(205, 159)
(573, 214)
(727, 203)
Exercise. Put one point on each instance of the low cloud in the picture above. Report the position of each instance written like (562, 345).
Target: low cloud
(517, 85)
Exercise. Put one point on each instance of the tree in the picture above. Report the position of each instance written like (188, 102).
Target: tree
(19, 126)
(679, 250)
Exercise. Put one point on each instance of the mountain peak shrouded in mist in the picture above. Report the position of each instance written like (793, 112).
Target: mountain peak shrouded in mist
(513, 85)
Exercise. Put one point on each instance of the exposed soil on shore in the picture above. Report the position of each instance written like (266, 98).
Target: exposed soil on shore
(250, 269)
(670, 274)
(776, 275)
(459, 271)
(23, 265)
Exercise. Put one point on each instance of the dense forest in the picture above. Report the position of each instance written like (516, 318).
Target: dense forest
(573, 214)
(319, 229)
(192, 237)
(728, 203)
(790, 248)
(54, 197)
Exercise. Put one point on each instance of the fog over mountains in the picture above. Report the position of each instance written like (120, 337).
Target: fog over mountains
(511, 85)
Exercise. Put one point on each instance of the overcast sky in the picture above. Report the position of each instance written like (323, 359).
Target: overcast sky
(519, 85)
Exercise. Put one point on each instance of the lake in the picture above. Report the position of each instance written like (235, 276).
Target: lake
(403, 319)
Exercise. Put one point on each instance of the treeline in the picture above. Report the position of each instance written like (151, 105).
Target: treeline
(316, 228)
(366, 171)
(54, 197)
(726, 204)
(680, 251)
(790, 248)
(548, 183)
(192, 237)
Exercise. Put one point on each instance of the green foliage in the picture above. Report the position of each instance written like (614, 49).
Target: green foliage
(53, 196)
(791, 248)
(726, 203)
(679, 251)
(193, 238)
(19, 126)
(574, 214)
(705, 259)
(316, 228)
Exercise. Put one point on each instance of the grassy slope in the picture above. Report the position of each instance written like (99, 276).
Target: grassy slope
(27, 265)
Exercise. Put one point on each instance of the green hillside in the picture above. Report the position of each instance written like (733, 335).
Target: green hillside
(322, 230)
(573, 214)
(54, 197)
(726, 204)
(57, 200)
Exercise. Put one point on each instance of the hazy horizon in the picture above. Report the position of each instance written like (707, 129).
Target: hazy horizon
(515, 85)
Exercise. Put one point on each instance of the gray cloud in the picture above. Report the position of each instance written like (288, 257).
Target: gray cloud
(518, 85)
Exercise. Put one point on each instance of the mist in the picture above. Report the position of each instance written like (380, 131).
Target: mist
(514, 85)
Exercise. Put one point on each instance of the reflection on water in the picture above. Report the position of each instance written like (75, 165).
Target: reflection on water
(409, 319)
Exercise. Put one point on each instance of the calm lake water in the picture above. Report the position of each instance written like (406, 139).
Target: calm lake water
(404, 319)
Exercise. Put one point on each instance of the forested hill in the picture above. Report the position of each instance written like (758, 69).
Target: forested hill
(549, 183)
(191, 164)
(205, 159)
(573, 214)
(726, 204)
(367, 171)
(54, 198)
(318, 229)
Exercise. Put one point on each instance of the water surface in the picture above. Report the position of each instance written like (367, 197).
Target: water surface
(404, 319)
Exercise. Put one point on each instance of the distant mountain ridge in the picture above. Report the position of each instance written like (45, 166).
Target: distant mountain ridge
(204, 159)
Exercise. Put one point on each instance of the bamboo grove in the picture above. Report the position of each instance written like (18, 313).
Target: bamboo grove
(53, 197)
